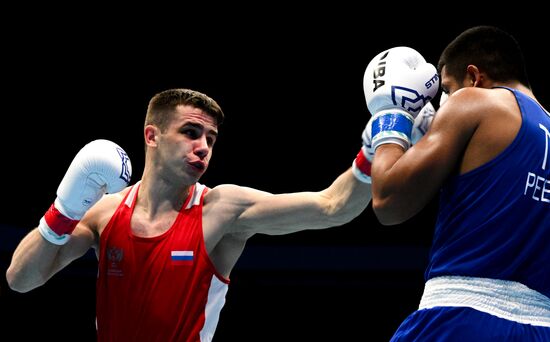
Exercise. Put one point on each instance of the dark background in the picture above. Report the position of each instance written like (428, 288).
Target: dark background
(290, 83)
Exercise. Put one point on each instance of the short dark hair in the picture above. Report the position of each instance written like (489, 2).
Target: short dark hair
(491, 49)
(163, 105)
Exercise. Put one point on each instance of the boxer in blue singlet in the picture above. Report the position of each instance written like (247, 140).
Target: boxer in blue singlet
(487, 153)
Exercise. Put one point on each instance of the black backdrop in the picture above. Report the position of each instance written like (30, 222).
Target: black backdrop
(290, 83)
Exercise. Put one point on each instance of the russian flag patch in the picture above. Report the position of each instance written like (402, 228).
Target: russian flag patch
(182, 257)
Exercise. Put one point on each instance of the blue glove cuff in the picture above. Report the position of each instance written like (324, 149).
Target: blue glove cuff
(392, 126)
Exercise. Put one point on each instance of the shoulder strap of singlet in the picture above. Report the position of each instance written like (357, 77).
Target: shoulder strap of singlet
(197, 195)
(130, 198)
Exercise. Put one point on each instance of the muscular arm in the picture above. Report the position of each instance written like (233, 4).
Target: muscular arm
(403, 183)
(262, 212)
(69, 228)
(36, 260)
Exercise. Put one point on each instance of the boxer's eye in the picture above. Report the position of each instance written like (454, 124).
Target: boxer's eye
(191, 133)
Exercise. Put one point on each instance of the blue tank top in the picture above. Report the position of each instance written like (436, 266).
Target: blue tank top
(494, 221)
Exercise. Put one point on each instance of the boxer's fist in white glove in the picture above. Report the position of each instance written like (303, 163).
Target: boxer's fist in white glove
(99, 167)
(422, 122)
(361, 166)
(397, 83)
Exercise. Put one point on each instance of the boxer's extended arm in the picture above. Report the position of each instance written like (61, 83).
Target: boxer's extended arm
(274, 214)
(63, 235)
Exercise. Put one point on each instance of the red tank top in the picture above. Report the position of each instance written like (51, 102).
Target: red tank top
(163, 288)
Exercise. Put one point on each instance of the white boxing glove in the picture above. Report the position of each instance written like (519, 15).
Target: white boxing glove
(443, 98)
(361, 166)
(422, 122)
(397, 83)
(99, 167)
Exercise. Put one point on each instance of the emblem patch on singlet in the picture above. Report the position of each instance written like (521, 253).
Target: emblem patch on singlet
(114, 258)
(184, 258)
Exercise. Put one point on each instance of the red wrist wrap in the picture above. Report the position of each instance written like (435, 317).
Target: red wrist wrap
(362, 163)
(58, 222)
